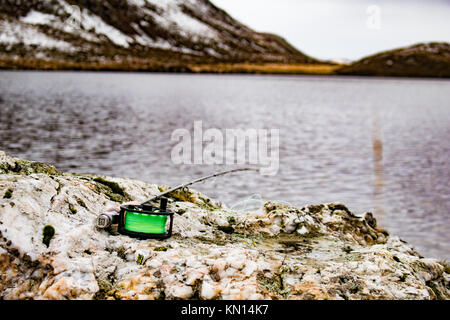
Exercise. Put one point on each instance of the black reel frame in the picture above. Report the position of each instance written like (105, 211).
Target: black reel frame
(150, 210)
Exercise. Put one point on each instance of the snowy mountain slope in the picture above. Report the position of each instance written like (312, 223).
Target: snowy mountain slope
(134, 31)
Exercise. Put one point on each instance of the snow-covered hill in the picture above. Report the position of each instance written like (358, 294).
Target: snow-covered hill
(150, 31)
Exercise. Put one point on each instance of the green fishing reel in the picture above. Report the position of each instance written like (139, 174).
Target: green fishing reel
(139, 221)
(145, 221)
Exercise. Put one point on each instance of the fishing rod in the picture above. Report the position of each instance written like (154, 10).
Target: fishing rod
(183, 186)
(145, 221)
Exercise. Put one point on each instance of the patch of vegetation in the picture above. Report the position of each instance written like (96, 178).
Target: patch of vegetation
(121, 253)
(111, 189)
(446, 266)
(338, 206)
(161, 296)
(186, 195)
(214, 241)
(231, 220)
(315, 209)
(72, 209)
(8, 194)
(48, 233)
(214, 275)
(81, 203)
(29, 167)
(112, 185)
(347, 249)
(438, 287)
(274, 284)
(104, 286)
(266, 68)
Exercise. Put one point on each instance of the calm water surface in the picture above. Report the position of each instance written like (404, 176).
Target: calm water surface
(379, 145)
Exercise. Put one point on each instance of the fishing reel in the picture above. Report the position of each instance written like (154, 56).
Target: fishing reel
(140, 221)
(145, 221)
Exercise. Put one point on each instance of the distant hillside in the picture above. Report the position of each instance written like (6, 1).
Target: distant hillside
(164, 35)
(421, 60)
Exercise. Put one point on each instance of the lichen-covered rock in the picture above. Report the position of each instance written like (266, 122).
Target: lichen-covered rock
(50, 248)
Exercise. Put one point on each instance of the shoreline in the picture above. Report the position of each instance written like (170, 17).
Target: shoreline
(239, 68)
(152, 67)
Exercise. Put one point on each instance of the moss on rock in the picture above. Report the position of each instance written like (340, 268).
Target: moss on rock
(111, 189)
(24, 167)
(8, 194)
(48, 232)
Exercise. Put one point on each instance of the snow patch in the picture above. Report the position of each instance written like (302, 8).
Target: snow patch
(174, 17)
(89, 21)
(35, 17)
(86, 20)
(14, 33)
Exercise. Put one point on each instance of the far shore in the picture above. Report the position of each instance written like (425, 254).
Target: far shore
(146, 66)
(264, 68)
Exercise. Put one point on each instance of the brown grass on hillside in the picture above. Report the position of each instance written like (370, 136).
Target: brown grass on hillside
(152, 66)
(266, 68)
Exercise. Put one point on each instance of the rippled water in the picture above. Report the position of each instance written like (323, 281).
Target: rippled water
(379, 145)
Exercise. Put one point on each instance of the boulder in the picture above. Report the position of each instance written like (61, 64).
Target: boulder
(51, 249)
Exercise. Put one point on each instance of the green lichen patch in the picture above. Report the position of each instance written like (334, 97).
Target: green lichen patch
(81, 202)
(121, 253)
(72, 209)
(339, 206)
(213, 241)
(184, 195)
(231, 220)
(60, 185)
(82, 176)
(315, 208)
(446, 266)
(111, 189)
(8, 194)
(403, 277)
(29, 167)
(347, 249)
(112, 185)
(161, 296)
(48, 232)
(438, 288)
(105, 287)
(274, 284)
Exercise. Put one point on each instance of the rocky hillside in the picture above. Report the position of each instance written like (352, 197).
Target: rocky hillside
(421, 60)
(133, 34)
(50, 248)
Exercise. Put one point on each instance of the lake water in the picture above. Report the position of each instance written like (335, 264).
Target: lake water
(378, 145)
